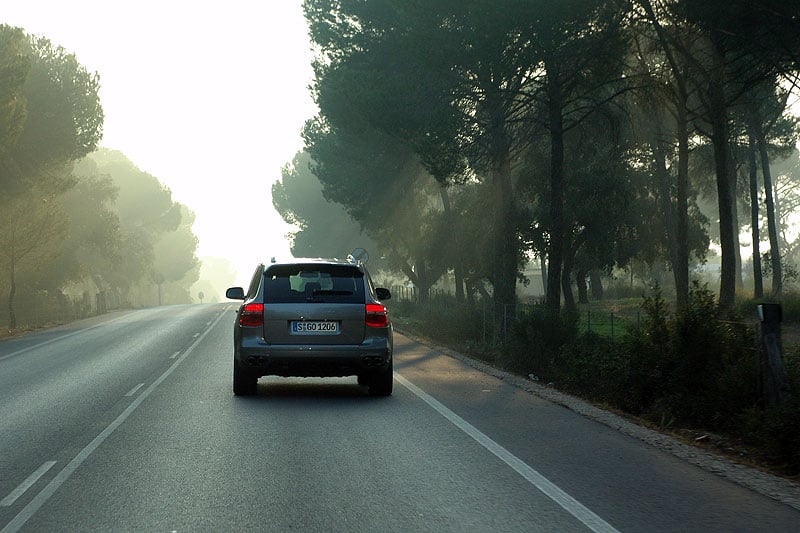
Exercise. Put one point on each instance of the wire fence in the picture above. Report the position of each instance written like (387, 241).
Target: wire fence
(495, 321)
(491, 323)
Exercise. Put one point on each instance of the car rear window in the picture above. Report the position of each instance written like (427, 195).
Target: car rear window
(313, 283)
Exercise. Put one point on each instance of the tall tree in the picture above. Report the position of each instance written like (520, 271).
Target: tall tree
(91, 247)
(673, 38)
(54, 120)
(324, 229)
(486, 66)
(146, 214)
(175, 260)
(64, 119)
(758, 280)
(395, 211)
(766, 105)
(33, 224)
(14, 68)
(745, 44)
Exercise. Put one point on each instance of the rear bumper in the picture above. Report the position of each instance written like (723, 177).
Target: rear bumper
(309, 360)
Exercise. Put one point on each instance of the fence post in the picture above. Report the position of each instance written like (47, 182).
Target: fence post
(776, 387)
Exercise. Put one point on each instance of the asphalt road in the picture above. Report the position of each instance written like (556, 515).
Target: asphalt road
(127, 422)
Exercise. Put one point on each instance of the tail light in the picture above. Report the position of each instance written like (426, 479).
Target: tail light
(377, 317)
(252, 315)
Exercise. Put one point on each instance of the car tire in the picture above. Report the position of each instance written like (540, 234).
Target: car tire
(244, 382)
(380, 383)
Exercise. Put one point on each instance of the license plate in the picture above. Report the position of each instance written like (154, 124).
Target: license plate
(315, 327)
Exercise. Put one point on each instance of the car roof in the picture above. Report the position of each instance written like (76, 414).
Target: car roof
(311, 260)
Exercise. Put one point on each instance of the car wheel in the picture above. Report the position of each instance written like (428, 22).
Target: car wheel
(244, 382)
(381, 382)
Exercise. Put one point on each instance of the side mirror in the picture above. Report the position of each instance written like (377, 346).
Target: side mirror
(383, 294)
(235, 293)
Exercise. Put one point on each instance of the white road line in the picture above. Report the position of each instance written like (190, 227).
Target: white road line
(173, 356)
(25, 485)
(51, 341)
(195, 335)
(40, 499)
(548, 488)
(136, 388)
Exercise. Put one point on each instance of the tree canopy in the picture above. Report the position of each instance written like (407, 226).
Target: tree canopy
(73, 220)
(575, 121)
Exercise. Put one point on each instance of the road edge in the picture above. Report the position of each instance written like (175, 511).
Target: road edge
(769, 485)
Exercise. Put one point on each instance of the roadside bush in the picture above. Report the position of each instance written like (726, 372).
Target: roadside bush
(594, 367)
(791, 306)
(693, 366)
(443, 319)
(534, 342)
(777, 431)
(649, 357)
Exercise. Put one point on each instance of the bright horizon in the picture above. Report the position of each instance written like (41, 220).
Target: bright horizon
(209, 98)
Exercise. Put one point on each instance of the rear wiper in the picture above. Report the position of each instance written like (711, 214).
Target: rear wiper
(333, 293)
(325, 292)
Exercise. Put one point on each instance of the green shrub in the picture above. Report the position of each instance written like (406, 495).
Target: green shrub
(777, 431)
(594, 367)
(534, 341)
(442, 319)
(649, 356)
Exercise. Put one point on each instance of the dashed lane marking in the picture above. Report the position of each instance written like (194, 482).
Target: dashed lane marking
(135, 389)
(25, 485)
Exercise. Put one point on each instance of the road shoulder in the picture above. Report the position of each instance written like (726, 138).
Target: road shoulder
(774, 487)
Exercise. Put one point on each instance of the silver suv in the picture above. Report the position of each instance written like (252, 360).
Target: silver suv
(312, 317)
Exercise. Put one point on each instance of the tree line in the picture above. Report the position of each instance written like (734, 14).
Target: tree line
(81, 228)
(469, 136)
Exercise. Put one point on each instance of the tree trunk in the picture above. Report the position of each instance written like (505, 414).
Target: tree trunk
(543, 269)
(566, 287)
(459, 280)
(772, 226)
(583, 289)
(758, 282)
(596, 284)
(505, 260)
(667, 210)
(720, 131)
(555, 252)
(681, 267)
(418, 276)
(423, 283)
(449, 215)
(736, 224)
(566, 275)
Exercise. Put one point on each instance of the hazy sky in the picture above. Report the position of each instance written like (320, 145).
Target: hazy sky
(208, 97)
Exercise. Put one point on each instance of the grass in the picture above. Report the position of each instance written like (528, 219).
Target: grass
(610, 319)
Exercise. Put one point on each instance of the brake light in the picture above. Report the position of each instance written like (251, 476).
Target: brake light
(376, 316)
(252, 315)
